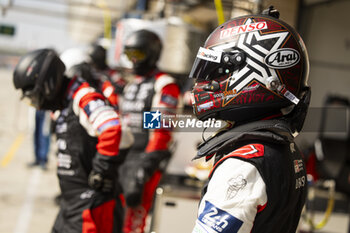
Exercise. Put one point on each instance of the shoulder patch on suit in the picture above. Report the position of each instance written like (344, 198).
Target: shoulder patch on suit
(213, 220)
(248, 151)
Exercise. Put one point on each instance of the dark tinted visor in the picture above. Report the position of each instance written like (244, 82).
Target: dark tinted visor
(206, 64)
(135, 55)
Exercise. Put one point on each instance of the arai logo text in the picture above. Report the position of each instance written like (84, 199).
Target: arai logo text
(282, 58)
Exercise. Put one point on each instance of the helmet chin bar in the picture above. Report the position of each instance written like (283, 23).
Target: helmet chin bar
(273, 83)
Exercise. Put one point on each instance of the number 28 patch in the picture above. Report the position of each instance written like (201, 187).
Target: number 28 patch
(213, 219)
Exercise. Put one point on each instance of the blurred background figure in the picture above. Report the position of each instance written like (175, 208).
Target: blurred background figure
(150, 91)
(88, 133)
(111, 81)
(41, 138)
(90, 64)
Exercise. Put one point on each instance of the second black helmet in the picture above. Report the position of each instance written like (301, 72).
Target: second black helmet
(143, 48)
(39, 74)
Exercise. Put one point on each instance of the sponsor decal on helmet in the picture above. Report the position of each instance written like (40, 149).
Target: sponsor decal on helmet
(230, 32)
(219, 95)
(282, 58)
(203, 97)
(250, 88)
(192, 99)
(230, 93)
(205, 106)
(209, 55)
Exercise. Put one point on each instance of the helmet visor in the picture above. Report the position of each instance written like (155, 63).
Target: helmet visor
(32, 98)
(207, 62)
(135, 55)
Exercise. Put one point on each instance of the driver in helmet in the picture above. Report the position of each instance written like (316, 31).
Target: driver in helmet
(88, 133)
(150, 90)
(252, 72)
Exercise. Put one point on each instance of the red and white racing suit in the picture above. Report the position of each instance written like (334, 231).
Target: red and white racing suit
(88, 134)
(258, 182)
(150, 153)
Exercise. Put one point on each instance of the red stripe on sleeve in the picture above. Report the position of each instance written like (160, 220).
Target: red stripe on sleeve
(108, 141)
(89, 97)
(83, 85)
(159, 140)
(171, 89)
(113, 97)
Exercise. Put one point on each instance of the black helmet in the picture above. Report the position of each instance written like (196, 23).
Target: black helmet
(97, 54)
(39, 74)
(143, 49)
(250, 68)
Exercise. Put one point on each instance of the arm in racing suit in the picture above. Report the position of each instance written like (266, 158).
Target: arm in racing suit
(88, 133)
(112, 85)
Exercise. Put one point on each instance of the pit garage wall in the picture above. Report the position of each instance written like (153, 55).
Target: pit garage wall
(326, 33)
